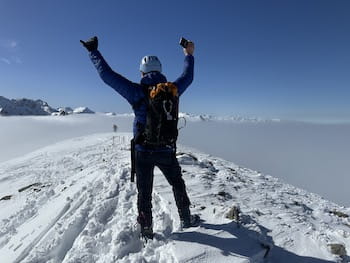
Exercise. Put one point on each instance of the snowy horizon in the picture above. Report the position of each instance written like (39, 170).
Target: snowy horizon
(33, 107)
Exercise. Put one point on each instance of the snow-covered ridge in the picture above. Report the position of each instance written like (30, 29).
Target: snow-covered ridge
(74, 202)
(24, 107)
(34, 107)
(207, 117)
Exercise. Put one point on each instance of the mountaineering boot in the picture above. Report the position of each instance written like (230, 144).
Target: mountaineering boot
(187, 220)
(193, 221)
(145, 221)
(147, 232)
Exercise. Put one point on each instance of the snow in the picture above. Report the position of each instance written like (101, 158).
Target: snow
(82, 110)
(77, 204)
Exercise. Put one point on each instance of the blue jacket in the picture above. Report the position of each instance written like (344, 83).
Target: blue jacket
(133, 92)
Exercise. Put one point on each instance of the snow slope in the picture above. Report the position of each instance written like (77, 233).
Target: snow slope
(73, 202)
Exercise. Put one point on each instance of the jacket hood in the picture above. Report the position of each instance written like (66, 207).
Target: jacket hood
(153, 78)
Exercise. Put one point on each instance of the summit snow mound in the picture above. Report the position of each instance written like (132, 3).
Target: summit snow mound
(74, 202)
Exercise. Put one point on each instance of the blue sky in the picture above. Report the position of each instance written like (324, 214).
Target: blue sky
(283, 59)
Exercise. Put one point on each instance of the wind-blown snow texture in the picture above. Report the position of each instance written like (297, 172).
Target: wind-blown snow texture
(73, 202)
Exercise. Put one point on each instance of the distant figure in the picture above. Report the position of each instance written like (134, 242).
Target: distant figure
(62, 113)
(115, 127)
(155, 104)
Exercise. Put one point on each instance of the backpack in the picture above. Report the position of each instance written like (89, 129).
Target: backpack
(162, 115)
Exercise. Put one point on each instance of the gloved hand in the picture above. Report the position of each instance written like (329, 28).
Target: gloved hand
(91, 44)
(189, 50)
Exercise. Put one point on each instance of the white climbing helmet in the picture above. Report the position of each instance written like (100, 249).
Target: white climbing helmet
(150, 63)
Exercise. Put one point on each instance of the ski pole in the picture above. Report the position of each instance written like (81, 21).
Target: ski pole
(132, 151)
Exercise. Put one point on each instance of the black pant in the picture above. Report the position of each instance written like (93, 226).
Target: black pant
(168, 164)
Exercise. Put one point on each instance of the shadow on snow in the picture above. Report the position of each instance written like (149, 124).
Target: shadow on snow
(244, 242)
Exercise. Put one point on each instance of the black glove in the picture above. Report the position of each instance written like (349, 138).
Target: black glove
(91, 44)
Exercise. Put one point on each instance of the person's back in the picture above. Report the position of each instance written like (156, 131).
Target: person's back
(146, 156)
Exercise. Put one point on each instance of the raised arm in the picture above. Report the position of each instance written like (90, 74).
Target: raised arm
(186, 78)
(122, 85)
